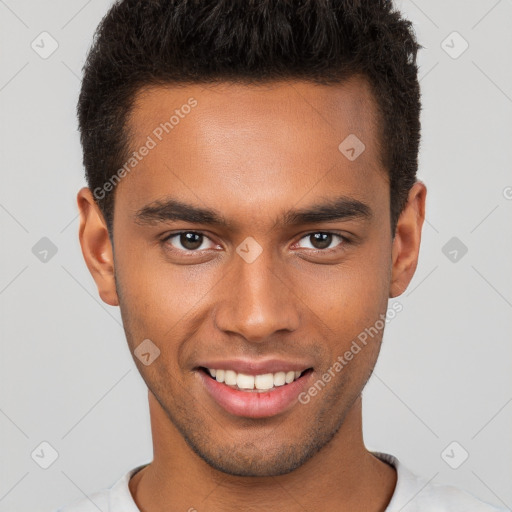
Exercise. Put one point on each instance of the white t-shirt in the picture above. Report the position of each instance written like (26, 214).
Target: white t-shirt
(412, 494)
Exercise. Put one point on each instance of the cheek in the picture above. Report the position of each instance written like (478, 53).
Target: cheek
(350, 296)
(158, 297)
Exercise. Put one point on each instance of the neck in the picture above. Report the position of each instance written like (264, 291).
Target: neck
(342, 476)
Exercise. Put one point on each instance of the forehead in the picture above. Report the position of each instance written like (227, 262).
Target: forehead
(294, 107)
(253, 147)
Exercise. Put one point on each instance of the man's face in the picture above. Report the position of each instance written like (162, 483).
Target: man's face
(252, 154)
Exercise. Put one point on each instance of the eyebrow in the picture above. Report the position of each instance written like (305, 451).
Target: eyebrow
(330, 210)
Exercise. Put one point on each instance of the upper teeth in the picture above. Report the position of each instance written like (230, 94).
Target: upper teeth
(264, 381)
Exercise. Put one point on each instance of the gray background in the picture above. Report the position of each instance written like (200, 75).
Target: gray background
(444, 375)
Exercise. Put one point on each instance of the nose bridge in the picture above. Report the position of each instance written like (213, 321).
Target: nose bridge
(256, 302)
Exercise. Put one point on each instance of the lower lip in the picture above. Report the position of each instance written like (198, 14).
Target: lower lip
(255, 404)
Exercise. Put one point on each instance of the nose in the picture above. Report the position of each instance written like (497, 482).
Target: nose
(258, 300)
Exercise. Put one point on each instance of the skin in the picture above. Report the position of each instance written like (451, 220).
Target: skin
(252, 153)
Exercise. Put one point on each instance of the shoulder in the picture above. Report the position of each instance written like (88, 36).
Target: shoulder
(415, 493)
(116, 498)
(446, 498)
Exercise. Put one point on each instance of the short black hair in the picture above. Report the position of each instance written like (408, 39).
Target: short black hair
(163, 42)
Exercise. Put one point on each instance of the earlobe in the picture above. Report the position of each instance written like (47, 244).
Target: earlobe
(406, 244)
(96, 246)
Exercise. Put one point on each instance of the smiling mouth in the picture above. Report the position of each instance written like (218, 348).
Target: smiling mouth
(254, 383)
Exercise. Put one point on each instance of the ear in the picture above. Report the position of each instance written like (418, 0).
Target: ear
(96, 246)
(406, 244)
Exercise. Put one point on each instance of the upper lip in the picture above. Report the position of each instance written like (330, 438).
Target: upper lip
(256, 367)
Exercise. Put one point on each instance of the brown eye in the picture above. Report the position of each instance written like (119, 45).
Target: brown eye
(191, 241)
(323, 240)
(186, 241)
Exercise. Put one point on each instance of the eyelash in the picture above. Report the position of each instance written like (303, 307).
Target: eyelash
(344, 241)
